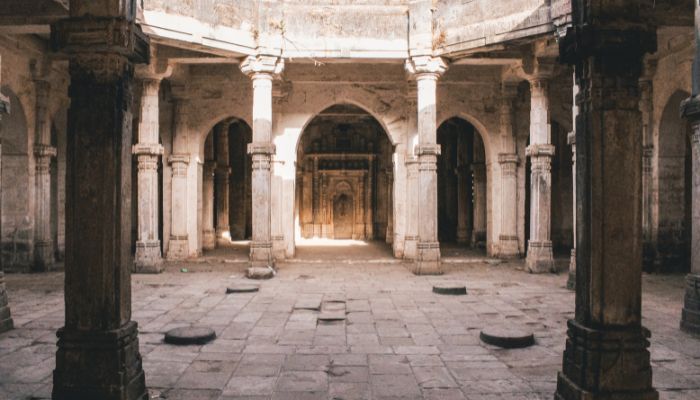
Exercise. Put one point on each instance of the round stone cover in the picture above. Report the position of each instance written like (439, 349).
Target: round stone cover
(190, 335)
(242, 288)
(507, 337)
(454, 289)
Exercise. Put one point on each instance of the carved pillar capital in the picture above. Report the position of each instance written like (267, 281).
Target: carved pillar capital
(262, 66)
(426, 67)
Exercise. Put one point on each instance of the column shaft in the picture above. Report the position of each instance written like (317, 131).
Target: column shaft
(98, 349)
(478, 235)
(148, 258)
(508, 239)
(208, 232)
(5, 316)
(43, 154)
(222, 176)
(571, 282)
(464, 202)
(606, 354)
(411, 238)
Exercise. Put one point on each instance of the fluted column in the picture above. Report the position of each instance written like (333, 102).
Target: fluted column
(98, 348)
(539, 252)
(208, 232)
(690, 320)
(606, 355)
(148, 258)
(427, 70)
(179, 160)
(262, 69)
(43, 153)
(222, 175)
(5, 315)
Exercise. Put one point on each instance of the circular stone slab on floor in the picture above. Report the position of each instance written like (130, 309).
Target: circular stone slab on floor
(260, 273)
(190, 335)
(507, 338)
(242, 288)
(454, 289)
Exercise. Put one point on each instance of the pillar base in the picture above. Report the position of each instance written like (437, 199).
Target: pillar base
(398, 246)
(690, 319)
(428, 259)
(508, 247)
(43, 257)
(610, 364)
(571, 282)
(99, 365)
(410, 248)
(5, 318)
(540, 258)
(223, 235)
(178, 249)
(462, 236)
(261, 254)
(208, 240)
(478, 239)
(278, 248)
(148, 259)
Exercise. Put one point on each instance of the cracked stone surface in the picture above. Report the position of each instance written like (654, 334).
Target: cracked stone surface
(399, 340)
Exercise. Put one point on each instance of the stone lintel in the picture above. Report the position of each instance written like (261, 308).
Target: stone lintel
(540, 150)
(43, 150)
(507, 158)
(621, 35)
(261, 149)
(262, 64)
(148, 149)
(95, 35)
(426, 66)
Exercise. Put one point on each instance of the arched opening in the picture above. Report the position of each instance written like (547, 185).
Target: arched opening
(462, 199)
(17, 234)
(226, 192)
(344, 178)
(674, 190)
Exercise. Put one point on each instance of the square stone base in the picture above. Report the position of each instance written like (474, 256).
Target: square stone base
(103, 365)
(428, 259)
(178, 249)
(539, 257)
(261, 254)
(611, 364)
(690, 319)
(208, 240)
(148, 259)
(410, 248)
(508, 247)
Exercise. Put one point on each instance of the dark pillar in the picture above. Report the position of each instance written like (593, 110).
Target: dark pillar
(606, 355)
(690, 320)
(98, 349)
(5, 317)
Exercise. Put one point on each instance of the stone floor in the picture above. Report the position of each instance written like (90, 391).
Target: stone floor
(400, 341)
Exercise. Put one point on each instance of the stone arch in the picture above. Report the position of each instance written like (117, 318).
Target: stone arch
(673, 181)
(205, 129)
(17, 233)
(478, 126)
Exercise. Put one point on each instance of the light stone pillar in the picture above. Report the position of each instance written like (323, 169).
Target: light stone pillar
(98, 347)
(43, 153)
(427, 70)
(411, 238)
(389, 236)
(222, 175)
(148, 258)
(508, 239)
(690, 320)
(539, 253)
(5, 316)
(606, 355)
(179, 160)
(508, 242)
(208, 232)
(262, 69)
(464, 203)
(479, 196)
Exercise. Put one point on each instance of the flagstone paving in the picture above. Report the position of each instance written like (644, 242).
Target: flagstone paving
(398, 339)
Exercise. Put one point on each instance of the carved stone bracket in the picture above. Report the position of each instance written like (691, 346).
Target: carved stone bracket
(426, 66)
(147, 149)
(261, 149)
(540, 150)
(262, 64)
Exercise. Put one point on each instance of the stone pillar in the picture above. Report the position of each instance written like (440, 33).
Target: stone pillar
(479, 196)
(690, 320)
(222, 175)
(411, 238)
(646, 105)
(427, 70)
(43, 153)
(208, 232)
(539, 253)
(148, 150)
(98, 348)
(508, 239)
(571, 282)
(262, 69)
(508, 243)
(5, 317)
(389, 236)
(464, 202)
(179, 160)
(606, 354)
